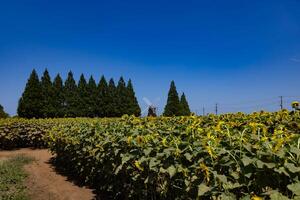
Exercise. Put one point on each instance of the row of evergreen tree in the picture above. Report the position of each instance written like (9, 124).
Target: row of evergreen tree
(176, 106)
(48, 99)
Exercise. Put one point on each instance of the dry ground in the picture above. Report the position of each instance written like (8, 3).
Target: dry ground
(43, 182)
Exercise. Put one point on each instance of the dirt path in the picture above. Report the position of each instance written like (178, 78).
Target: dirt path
(43, 182)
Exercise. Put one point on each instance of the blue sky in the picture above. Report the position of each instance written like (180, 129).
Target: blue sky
(239, 54)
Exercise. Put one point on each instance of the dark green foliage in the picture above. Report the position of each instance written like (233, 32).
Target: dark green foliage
(122, 98)
(47, 99)
(30, 104)
(185, 109)
(83, 97)
(102, 106)
(112, 100)
(48, 110)
(71, 97)
(92, 99)
(133, 107)
(173, 107)
(2, 112)
(58, 96)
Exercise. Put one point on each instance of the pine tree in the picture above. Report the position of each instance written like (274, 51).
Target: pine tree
(70, 96)
(185, 109)
(112, 100)
(102, 98)
(133, 108)
(173, 107)
(122, 98)
(92, 98)
(48, 110)
(30, 104)
(58, 97)
(82, 107)
(3, 114)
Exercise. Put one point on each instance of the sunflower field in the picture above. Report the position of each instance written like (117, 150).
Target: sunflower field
(230, 156)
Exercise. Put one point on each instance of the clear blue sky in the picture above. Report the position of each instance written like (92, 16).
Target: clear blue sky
(241, 54)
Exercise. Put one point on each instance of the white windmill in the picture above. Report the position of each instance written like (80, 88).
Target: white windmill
(151, 109)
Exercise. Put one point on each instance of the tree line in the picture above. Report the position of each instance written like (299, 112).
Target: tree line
(53, 99)
(3, 114)
(44, 98)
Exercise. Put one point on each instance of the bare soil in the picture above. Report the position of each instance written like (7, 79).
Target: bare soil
(43, 182)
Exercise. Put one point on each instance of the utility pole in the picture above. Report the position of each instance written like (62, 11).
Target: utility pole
(281, 102)
(216, 109)
(203, 111)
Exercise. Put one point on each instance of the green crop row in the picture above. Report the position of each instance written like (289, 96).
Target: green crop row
(18, 132)
(232, 156)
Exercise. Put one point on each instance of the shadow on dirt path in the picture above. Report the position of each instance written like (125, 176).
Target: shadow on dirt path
(43, 182)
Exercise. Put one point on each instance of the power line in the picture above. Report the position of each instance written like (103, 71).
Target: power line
(267, 103)
(251, 106)
(250, 101)
(291, 96)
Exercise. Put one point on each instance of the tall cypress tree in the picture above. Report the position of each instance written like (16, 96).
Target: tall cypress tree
(83, 97)
(112, 100)
(173, 107)
(185, 109)
(103, 99)
(3, 114)
(92, 98)
(133, 108)
(30, 104)
(70, 96)
(47, 97)
(58, 97)
(122, 98)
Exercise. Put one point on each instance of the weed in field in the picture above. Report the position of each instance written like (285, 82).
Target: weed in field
(12, 176)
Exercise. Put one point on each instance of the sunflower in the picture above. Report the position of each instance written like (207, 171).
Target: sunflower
(205, 170)
(256, 198)
(295, 104)
(138, 165)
